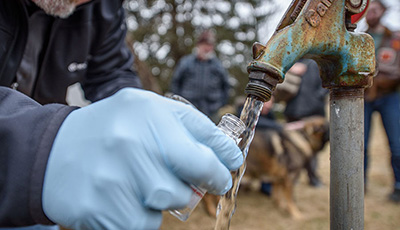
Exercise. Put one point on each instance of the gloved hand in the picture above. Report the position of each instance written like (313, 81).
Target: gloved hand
(116, 163)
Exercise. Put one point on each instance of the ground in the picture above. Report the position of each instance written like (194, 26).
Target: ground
(256, 211)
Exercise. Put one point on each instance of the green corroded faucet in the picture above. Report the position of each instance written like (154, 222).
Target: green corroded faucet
(320, 30)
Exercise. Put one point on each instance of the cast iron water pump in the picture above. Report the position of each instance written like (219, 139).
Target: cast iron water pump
(322, 30)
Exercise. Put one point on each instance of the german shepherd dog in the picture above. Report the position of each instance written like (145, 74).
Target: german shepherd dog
(280, 156)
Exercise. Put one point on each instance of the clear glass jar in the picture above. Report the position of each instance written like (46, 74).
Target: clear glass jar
(233, 127)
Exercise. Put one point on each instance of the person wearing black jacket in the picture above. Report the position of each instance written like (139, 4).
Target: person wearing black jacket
(114, 164)
(308, 100)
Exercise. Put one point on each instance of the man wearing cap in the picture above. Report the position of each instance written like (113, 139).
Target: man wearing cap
(201, 78)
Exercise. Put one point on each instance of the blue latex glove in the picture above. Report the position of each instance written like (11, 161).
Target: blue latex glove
(116, 163)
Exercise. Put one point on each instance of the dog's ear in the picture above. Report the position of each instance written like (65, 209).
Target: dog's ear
(322, 128)
(326, 132)
(309, 128)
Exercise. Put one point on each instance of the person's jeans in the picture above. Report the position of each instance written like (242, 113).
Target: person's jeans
(389, 108)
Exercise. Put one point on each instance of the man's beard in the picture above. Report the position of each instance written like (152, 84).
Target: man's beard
(58, 8)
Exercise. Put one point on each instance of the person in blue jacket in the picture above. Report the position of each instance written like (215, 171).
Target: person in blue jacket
(114, 164)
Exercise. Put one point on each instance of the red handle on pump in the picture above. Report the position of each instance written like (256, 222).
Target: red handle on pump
(357, 17)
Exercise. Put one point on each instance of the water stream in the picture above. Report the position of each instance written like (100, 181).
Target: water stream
(227, 204)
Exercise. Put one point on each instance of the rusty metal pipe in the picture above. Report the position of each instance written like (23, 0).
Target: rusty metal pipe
(347, 159)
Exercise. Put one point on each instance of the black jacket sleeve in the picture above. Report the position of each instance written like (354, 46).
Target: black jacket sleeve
(27, 131)
(110, 68)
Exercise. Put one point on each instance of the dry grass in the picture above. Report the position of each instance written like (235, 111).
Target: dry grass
(256, 211)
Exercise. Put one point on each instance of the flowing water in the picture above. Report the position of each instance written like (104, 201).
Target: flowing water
(227, 204)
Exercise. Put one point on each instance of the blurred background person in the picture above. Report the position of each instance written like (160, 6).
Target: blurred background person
(201, 78)
(304, 97)
(382, 96)
(268, 121)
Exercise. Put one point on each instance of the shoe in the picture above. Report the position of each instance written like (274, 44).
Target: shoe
(395, 196)
(266, 188)
(316, 183)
